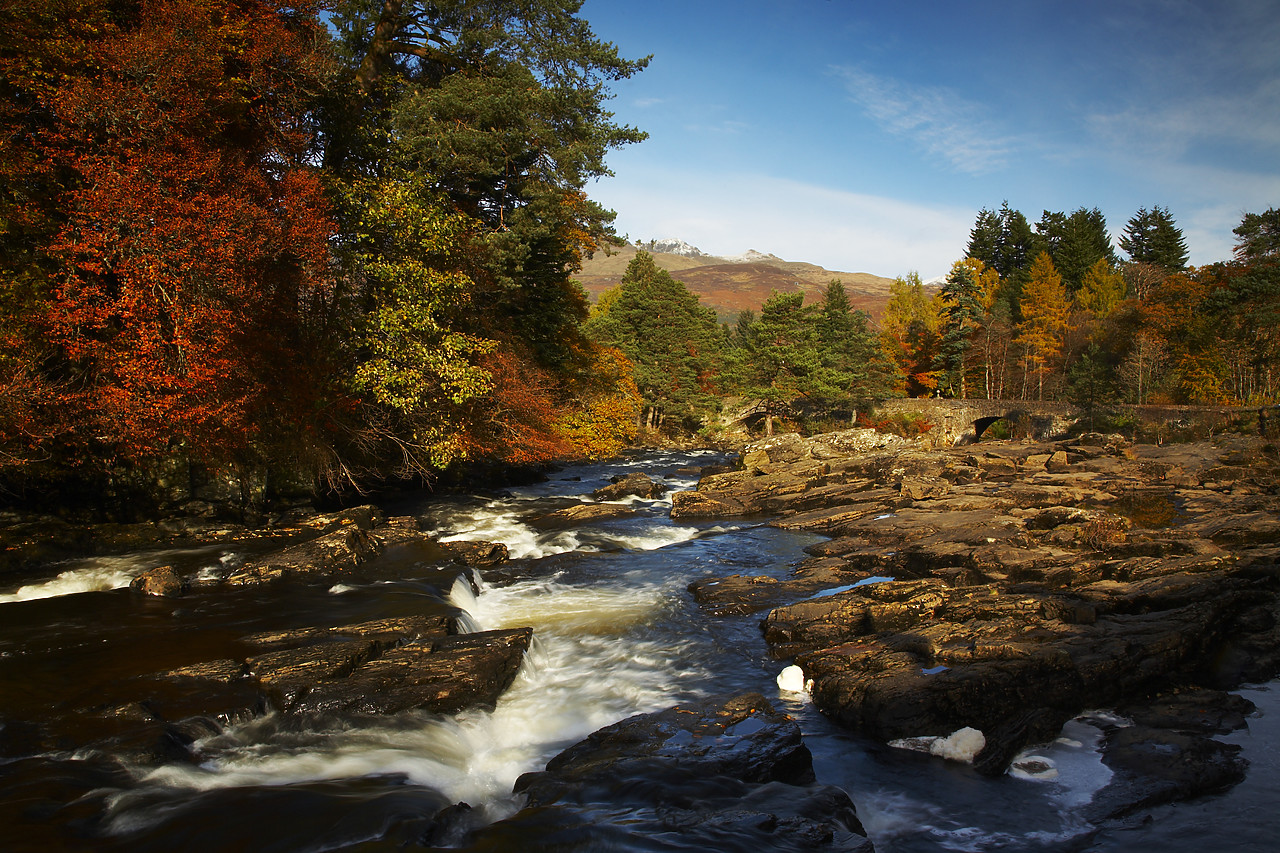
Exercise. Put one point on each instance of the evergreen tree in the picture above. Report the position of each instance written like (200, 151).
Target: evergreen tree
(1258, 236)
(673, 341)
(1075, 243)
(1151, 237)
(962, 314)
(785, 360)
(1004, 242)
(1091, 384)
(856, 373)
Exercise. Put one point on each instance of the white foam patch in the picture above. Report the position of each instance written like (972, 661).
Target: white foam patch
(792, 680)
(581, 673)
(102, 574)
(961, 745)
(1072, 762)
(99, 574)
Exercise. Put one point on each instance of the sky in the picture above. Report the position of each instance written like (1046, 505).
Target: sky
(865, 135)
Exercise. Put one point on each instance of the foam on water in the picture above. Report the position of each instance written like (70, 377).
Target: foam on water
(102, 573)
(99, 574)
(1073, 762)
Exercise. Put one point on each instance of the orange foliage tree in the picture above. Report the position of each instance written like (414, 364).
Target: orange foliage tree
(181, 268)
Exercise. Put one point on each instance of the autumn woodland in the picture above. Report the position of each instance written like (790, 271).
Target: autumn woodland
(334, 243)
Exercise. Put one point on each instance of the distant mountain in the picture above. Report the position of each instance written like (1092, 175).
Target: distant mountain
(732, 285)
(672, 246)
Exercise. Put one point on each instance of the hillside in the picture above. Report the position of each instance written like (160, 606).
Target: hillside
(731, 285)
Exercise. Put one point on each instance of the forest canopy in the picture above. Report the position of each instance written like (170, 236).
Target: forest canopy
(335, 239)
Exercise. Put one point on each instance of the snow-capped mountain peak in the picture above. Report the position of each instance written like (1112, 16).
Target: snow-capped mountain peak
(670, 246)
(751, 256)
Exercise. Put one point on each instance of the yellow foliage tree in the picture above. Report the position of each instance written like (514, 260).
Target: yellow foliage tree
(602, 421)
(1045, 310)
(1102, 290)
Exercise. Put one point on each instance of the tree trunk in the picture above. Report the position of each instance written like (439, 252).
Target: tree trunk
(384, 36)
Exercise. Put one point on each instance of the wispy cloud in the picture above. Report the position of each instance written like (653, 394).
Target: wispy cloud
(936, 118)
(1172, 128)
(728, 126)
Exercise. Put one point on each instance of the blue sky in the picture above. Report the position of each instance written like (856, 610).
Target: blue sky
(865, 136)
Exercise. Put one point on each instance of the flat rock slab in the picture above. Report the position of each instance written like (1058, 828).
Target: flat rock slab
(443, 676)
(387, 631)
(576, 516)
(737, 595)
(337, 552)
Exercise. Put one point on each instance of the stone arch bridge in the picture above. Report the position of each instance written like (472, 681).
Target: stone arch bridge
(964, 421)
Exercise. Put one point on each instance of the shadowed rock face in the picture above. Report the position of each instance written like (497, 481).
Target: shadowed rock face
(1020, 584)
(700, 774)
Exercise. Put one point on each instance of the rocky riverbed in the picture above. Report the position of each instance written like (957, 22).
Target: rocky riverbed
(1009, 587)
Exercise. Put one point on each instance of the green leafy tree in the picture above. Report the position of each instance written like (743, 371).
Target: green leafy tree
(1102, 290)
(673, 341)
(1151, 237)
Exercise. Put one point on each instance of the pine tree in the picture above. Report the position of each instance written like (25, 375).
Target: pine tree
(673, 341)
(1151, 237)
(962, 315)
(1075, 243)
(855, 372)
(784, 356)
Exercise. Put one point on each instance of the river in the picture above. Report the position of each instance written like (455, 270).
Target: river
(616, 634)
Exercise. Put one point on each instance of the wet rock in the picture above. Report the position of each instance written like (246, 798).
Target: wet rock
(399, 531)
(576, 516)
(340, 551)
(695, 775)
(389, 632)
(1203, 712)
(163, 581)
(741, 594)
(631, 485)
(443, 676)
(699, 505)
(478, 553)
(1157, 766)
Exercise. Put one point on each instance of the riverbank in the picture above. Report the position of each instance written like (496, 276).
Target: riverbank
(1006, 588)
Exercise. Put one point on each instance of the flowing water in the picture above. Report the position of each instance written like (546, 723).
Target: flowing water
(616, 634)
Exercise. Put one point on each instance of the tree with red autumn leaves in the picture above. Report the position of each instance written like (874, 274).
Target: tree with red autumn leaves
(175, 256)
